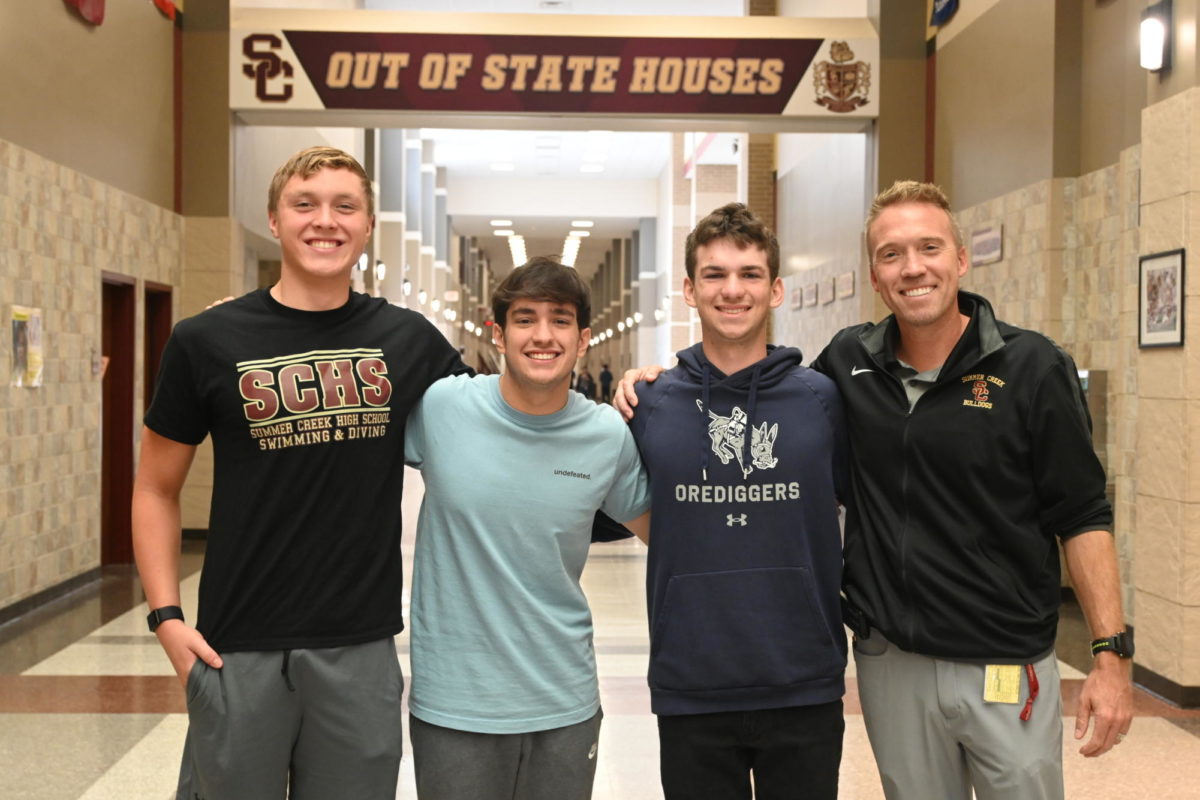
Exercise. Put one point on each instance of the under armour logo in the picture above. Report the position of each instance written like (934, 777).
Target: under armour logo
(735, 519)
(267, 66)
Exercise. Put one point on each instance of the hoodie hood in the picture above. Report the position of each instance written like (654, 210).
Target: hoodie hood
(761, 374)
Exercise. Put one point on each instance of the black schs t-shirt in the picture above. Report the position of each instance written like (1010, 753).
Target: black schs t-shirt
(306, 411)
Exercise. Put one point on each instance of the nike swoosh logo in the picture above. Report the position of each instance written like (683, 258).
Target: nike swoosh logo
(856, 371)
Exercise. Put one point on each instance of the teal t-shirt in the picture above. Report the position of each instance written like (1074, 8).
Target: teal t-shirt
(501, 633)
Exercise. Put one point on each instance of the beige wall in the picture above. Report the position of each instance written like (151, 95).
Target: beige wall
(1112, 85)
(96, 99)
(995, 103)
(59, 230)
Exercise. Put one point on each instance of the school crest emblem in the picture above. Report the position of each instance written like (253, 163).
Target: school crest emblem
(728, 435)
(842, 85)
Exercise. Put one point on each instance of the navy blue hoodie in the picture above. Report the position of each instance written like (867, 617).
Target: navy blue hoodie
(745, 559)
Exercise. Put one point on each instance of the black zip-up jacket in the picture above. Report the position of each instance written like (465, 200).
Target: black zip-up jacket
(950, 536)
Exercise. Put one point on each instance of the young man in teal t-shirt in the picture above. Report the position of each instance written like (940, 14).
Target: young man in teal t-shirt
(504, 699)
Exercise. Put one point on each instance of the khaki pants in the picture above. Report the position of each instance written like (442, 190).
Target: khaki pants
(935, 738)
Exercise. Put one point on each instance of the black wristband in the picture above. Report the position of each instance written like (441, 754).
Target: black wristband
(160, 615)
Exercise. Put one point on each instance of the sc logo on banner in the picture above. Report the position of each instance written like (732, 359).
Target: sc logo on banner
(266, 66)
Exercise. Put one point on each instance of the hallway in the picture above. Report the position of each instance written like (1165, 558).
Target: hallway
(89, 708)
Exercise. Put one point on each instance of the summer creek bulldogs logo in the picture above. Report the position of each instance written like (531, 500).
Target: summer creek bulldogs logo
(842, 86)
(982, 387)
(728, 435)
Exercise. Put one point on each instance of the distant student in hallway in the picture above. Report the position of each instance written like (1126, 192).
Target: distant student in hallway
(585, 384)
(746, 452)
(505, 700)
(292, 679)
(606, 379)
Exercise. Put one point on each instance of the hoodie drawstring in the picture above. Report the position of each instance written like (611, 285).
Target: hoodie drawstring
(705, 445)
(748, 436)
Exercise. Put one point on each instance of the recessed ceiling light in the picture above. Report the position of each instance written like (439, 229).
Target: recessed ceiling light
(504, 166)
(503, 232)
(582, 223)
(501, 223)
(591, 168)
(579, 234)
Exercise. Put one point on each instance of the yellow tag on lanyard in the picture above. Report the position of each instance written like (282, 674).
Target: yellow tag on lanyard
(1002, 683)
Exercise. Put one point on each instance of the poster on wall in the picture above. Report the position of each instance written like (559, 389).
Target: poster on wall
(845, 285)
(987, 245)
(1160, 299)
(797, 298)
(27, 356)
(810, 294)
(828, 290)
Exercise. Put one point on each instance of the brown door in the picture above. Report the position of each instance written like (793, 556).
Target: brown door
(157, 330)
(116, 466)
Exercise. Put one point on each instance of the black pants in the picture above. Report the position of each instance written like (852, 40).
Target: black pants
(793, 753)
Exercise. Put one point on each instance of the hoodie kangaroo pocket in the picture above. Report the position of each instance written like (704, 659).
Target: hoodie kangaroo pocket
(741, 629)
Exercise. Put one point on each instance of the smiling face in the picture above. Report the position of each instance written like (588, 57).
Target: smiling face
(541, 341)
(916, 263)
(322, 223)
(734, 293)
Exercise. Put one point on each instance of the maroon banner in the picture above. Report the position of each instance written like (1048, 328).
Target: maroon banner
(552, 74)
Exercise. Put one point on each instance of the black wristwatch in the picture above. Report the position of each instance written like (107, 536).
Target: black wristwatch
(1119, 643)
(160, 615)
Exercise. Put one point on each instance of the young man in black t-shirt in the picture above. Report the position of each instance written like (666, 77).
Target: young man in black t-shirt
(291, 672)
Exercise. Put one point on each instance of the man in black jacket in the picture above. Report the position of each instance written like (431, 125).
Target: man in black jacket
(972, 455)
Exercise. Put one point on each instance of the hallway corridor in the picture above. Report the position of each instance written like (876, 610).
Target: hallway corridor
(89, 707)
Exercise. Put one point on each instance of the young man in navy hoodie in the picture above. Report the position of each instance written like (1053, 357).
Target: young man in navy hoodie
(746, 454)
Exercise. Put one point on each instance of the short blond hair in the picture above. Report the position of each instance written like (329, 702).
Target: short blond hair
(909, 192)
(309, 162)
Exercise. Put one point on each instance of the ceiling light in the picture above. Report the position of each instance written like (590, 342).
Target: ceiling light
(380, 270)
(503, 232)
(579, 234)
(422, 296)
(435, 305)
(516, 246)
(582, 223)
(621, 327)
(501, 223)
(406, 287)
(570, 251)
(637, 316)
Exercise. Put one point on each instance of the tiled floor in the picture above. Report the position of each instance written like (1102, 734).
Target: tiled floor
(89, 707)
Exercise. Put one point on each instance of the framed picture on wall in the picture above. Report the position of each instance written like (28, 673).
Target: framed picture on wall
(810, 294)
(1160, 299)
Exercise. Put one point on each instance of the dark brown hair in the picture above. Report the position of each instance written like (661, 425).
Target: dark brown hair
(739, 225)
(543, 278)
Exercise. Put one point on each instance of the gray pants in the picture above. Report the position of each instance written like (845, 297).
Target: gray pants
(326, 721)
(558, 764)
(935, 738)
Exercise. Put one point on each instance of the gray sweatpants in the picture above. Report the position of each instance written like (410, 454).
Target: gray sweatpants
(935, 738)
(327, 721)
(557, 764)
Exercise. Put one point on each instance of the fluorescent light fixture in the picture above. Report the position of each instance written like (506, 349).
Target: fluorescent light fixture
(503, 232)
(570, 251)
(579, 234)
(516, 246)
(591, 168)
(582, 223)
(501, 223)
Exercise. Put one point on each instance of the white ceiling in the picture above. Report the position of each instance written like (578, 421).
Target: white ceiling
(552, 160)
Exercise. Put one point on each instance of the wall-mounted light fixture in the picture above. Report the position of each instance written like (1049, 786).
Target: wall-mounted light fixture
(1155, 37)
(380, 270)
